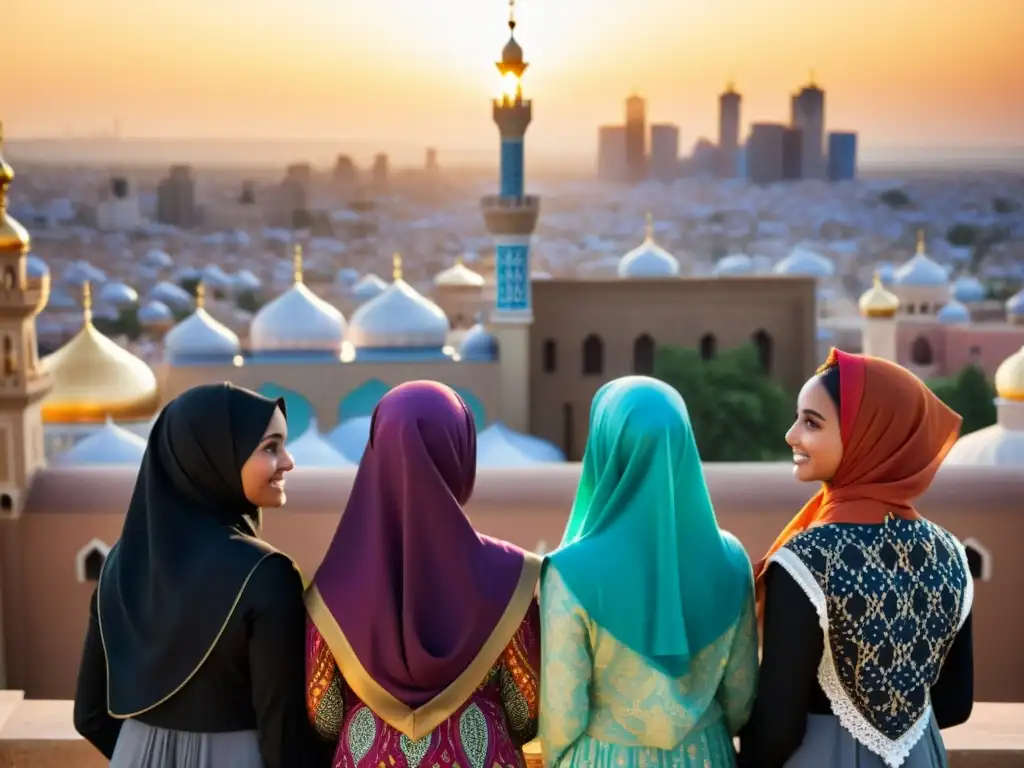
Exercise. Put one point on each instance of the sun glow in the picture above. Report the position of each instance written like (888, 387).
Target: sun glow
(509, 85)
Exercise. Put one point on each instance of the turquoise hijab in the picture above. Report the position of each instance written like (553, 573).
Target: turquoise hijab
(642, 551)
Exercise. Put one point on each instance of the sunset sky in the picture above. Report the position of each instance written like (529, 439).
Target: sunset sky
(904, 73)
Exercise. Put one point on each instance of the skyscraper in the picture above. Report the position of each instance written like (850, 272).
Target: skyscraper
(792, 154)
(729, 104)
(636, 138)
(765, 150)
(842, 156)
(664, 164)
(611, 152)
(808, 114)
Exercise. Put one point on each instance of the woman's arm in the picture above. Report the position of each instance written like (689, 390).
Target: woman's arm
(520, 678)
(792, 647)
(277, 635)
(739, 683)
(92, 718)
(325, 688)
(566, 668)
(953, 693)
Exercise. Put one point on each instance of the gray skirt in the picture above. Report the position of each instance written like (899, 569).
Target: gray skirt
(828, 745)
(145, 746)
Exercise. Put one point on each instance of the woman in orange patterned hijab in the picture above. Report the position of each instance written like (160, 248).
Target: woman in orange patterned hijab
(894, 434)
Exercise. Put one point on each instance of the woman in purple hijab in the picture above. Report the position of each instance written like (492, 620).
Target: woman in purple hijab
(423, 640)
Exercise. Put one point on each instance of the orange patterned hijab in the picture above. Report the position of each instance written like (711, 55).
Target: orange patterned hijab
(895, 433)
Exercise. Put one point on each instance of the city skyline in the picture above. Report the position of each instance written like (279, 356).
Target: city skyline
(182, 73)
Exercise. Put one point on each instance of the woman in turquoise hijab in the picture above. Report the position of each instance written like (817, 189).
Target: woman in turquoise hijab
(649, 630)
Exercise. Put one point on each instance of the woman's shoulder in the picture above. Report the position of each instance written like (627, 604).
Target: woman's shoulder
(274, 581)
(736, 554)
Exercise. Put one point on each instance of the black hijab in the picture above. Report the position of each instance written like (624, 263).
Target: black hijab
(187, 548)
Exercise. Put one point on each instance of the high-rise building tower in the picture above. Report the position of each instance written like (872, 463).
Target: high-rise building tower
(23, 383)
(729, 104)
(636, 138)
(808, 114)
(511, 218)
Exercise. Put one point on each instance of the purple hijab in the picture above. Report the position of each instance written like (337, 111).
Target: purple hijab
(414, 589)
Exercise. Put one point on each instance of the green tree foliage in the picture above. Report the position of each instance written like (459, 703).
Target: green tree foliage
(970, 394)
(126, 324)
(738, 413)
(248, 301)
(895, 198)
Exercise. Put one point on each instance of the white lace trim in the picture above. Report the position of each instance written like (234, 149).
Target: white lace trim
(965, 611)
(893, 752)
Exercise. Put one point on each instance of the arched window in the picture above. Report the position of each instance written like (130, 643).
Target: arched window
(925, 308)
(921, 352)
(763, 342)
(708, 346)
(593, 356)
(10, 363)
(550, 354)
(6, 502)
(9, 278)
(89, 561)
(979, 559)
(568, 427)
(643, 355)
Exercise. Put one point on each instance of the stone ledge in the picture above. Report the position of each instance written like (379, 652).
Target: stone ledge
(40, 734)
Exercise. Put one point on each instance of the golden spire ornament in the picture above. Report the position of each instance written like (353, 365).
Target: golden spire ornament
(396, 266)
(297, 263)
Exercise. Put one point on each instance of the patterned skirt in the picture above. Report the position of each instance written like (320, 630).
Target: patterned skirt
(827, 743)
(145, 746)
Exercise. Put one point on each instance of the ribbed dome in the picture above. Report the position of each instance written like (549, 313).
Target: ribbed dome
(110, 445)
(298, 319)
(968, 289)
(877, 301)
(94, 378)
(478, 345)
(199, 334)
(921, 270)
(648, 259)
(734, 264)
(1010, 377)
(805, 263)
(459, 275)
(1015, 304)
(953, 313)
(399, 317)
(310, 450)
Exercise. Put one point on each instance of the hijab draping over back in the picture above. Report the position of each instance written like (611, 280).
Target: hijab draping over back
(895, 434)
(415, 605)
(642, 551)
(187, 548)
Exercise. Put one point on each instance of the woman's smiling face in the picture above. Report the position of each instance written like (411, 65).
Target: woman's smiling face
(815, 436)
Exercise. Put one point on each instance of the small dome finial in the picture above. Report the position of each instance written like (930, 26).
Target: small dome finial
(649, 226)
(512, 16)
(877, 279)
(396, 266)
(920, 241)
(87, 302)
(200, 296)
(297, 263)
(458, 260)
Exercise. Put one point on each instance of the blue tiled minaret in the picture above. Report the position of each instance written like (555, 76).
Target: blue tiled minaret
(511, 218)
(511, 215)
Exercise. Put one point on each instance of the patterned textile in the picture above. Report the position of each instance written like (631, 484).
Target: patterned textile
(604, 704)
(891, 599)
(487, 731)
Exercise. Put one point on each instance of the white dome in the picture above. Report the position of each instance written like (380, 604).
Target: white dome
(155, 313)
(533, 448)
(119, 295)
(969, 289)
(459, 275)
(298, 319)
(170, 294)
(351, 436)
(399, 317)
(369, 287)
(921, 269)
(311, 450)
(478, 345)
(734, 264)
(953, 313)
(648, 259)
(244, 280)
(200, 334)
(35, 268)
(158, 258)
(994, 446)
(1015, 304)
(805, 263)
(109, 445)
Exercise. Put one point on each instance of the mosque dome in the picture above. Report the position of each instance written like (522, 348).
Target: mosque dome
(157, 258)
(399, 317)
(110, 445)
(35, 268)
(512, 53)
(118, 295)
(155, 314)
(1009, 379)
(887, 271)
(244, 280)
(170, 294)
(921, 269)
(94, 378)
(351, 436)
(734, 264)
(1015, 304)
(878, 302)
(298, 319)
(369, 287)
(13, 236)
(535, 448)
(968, 289)
(478, 345)
(648, 259)
(953, 313)
(200, 334)
(805, 263)
(459, 275)
(311, 451)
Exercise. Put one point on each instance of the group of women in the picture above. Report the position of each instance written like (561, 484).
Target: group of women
(421, 643)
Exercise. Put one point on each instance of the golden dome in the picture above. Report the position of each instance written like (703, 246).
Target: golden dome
(94, 378)
(877, 302)
(13, 236)
(1010, 377)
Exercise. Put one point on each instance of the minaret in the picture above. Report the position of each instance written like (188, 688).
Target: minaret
(511, 218)
(24, 383)
(729, 104)
(878, 307)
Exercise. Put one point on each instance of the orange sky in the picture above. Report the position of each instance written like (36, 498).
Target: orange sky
(905, 73)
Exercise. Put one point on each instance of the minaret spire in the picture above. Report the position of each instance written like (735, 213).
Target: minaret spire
(297, 263)
(200, 296)
(396, 267)
(87, 303)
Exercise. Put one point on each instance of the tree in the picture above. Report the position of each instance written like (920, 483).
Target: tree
(738, 413)
(249, 301)
(970, 394)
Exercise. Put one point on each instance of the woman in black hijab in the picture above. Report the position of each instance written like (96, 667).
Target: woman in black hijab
(194, 656)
